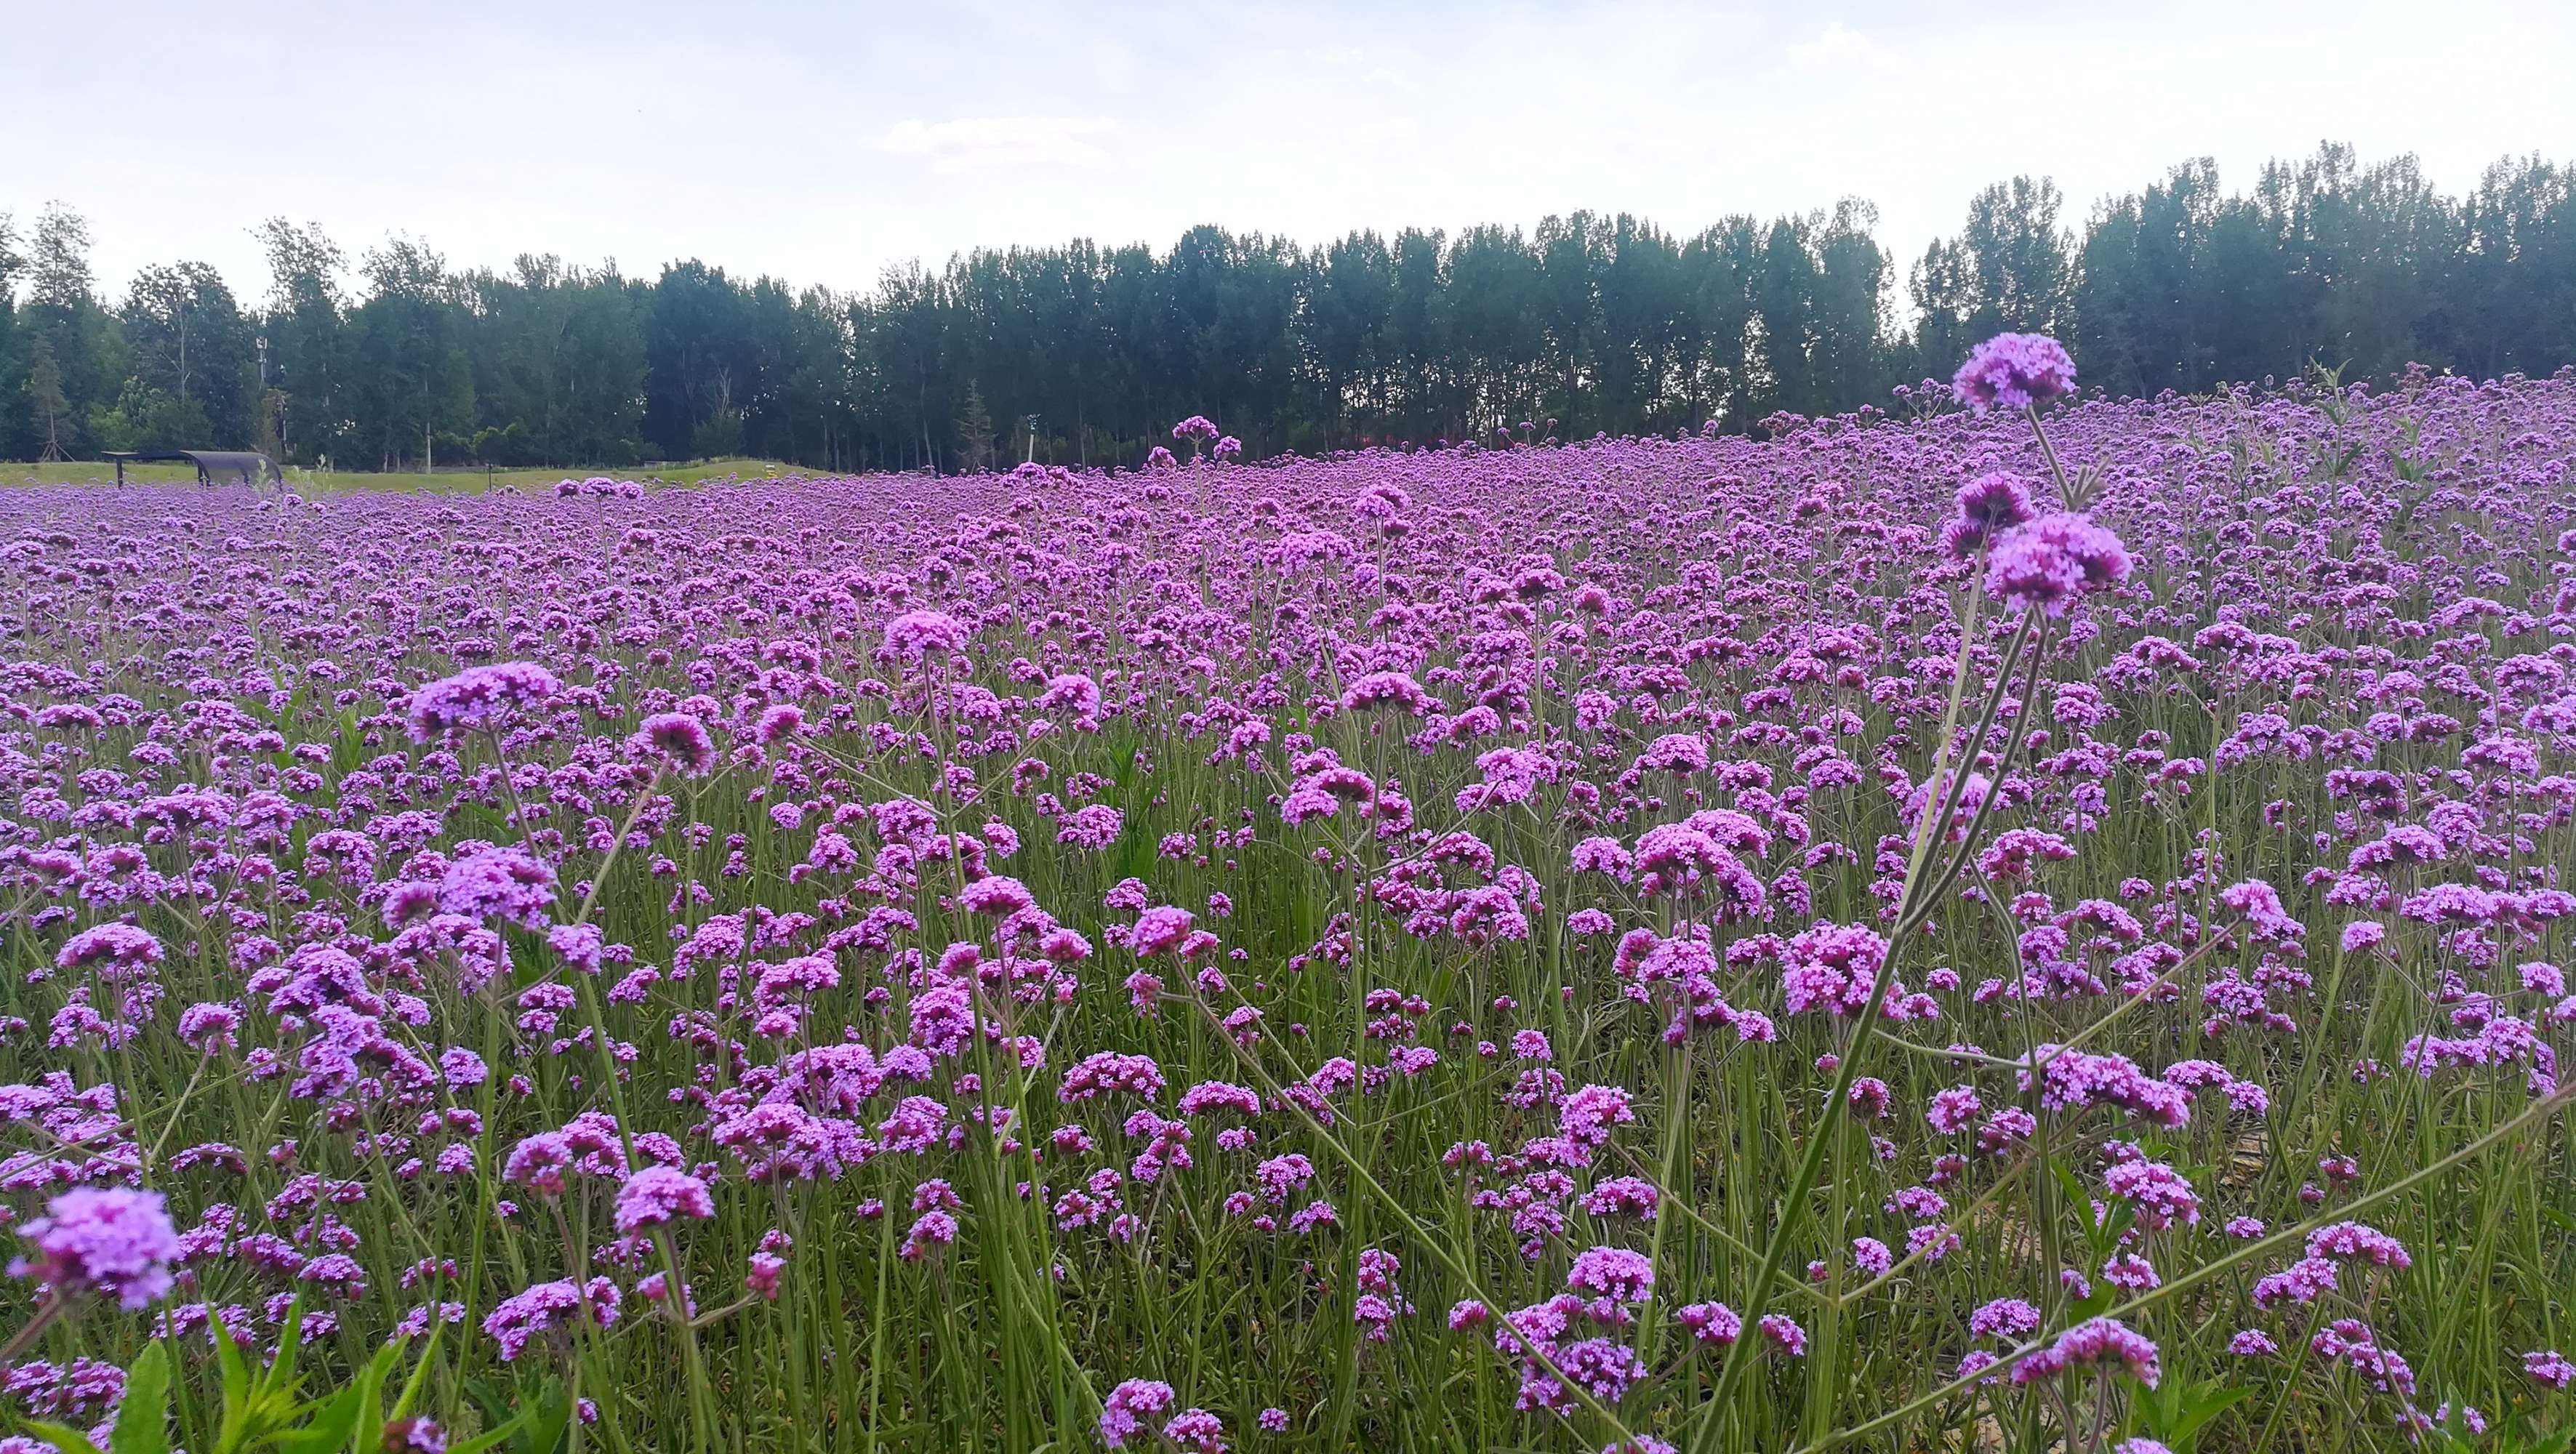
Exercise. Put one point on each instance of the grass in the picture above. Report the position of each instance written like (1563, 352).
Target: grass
(440, 482)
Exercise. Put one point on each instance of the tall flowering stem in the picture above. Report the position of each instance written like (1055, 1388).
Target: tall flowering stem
(1922, 891)
(1421, 1235)
(47, 1312)
(701, 1397)
(2539, 1113)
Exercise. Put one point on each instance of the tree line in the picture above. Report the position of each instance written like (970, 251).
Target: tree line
(1584, 324)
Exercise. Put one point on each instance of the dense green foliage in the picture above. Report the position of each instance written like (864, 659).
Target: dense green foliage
(1600, 324)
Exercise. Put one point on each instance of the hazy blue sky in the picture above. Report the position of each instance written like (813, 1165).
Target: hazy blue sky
(822, 142)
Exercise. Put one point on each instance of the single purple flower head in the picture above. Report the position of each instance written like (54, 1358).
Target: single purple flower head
(2014, 371)
(679, 739)
(1128, 1406)
(1990, 504)
(660, 1194)
(124, 949)
(116, 1241)
(503, 883)
(550, 1307)
(915, 634)
(996, 897)
(2047, 562)
(479, 698)
(415, 1436)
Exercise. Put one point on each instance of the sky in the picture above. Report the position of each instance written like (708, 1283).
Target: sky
(823, 142)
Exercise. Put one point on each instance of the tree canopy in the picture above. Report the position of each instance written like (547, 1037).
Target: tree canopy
(1584, 324)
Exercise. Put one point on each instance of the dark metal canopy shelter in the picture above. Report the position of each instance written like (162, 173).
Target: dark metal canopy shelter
(214, 466)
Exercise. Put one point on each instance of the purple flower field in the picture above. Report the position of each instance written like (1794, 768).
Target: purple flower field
(2038, 926)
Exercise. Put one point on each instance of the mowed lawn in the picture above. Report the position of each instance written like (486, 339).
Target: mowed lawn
(332, 482)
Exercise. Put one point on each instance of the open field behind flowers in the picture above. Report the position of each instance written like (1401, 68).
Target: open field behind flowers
(309, 482)
(1930, 936)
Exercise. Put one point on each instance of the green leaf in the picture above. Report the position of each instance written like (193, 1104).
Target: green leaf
(281, 1371)
(538, 1427)
(368, 1433)
(489, 1440)
(68, 1440)
(2199, 1410)
(2077, 1198)
(2115, 1223)
(553, 1416)
(328, 1423)
(329, 1429)
(236, 1372)
(2176, 1412)
(419, 1373)
(495, 1403)
(234, 1424)
(143, 1420)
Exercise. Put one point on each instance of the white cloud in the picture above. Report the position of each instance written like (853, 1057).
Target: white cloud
(1838, 45)
(984, 142)
(1113, 67)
